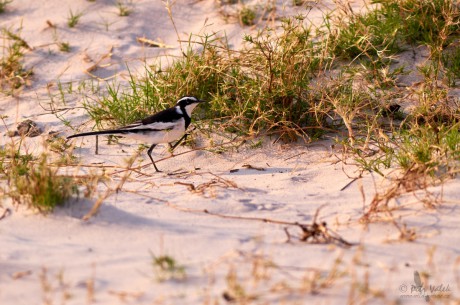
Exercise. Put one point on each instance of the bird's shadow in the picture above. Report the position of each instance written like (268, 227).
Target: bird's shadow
(109, 215)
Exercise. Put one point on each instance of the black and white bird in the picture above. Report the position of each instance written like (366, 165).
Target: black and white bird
(165, 126)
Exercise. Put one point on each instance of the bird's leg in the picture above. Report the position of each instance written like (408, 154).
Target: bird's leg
(149, 152)
(172, 147)
(184, 138)
(97, 145)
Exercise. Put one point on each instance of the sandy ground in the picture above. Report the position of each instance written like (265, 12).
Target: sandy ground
(223, 249)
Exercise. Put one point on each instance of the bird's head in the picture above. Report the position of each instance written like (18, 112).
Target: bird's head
(188, 103)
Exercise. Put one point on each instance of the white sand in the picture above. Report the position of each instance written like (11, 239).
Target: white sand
(61, 259)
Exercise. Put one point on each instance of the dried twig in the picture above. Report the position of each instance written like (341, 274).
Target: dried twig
(189, 186)
(152, 43)
(97, 64)
(249, 166)
(215, 182)
(318, 233)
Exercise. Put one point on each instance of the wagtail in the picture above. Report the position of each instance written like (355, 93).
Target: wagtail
(165, 126)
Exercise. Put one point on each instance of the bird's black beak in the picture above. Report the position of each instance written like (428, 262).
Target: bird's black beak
(201, 101)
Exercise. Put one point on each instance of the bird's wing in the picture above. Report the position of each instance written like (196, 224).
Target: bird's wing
(132, 125)
(167, 115)
(159, 121)
(157, 126)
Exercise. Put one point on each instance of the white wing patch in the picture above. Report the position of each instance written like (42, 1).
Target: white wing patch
(157, 126)
(160, 132)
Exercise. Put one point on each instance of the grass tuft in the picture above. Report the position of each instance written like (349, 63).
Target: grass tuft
(383, 31)
(167, 268)
(34, 183)
(73, 18)
(124, 8)
(13, 75)
(371, 34)
(247, 15)
(3, 4)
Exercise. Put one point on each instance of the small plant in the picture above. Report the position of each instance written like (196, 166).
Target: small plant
(13, 75)
(427, 149)
(166, 268)
(124, 9)
(3, 4)
(73, 18)
(247, 15)
(106, 23)
(63, 46)
(33, 182)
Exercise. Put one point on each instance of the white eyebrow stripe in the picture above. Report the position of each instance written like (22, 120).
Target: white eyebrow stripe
(186, 98)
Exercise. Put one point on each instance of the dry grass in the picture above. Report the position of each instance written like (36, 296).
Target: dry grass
(13, 74)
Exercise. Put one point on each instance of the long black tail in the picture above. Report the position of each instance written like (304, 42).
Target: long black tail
(92, 133)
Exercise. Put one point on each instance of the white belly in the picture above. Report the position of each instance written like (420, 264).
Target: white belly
(157, 137)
